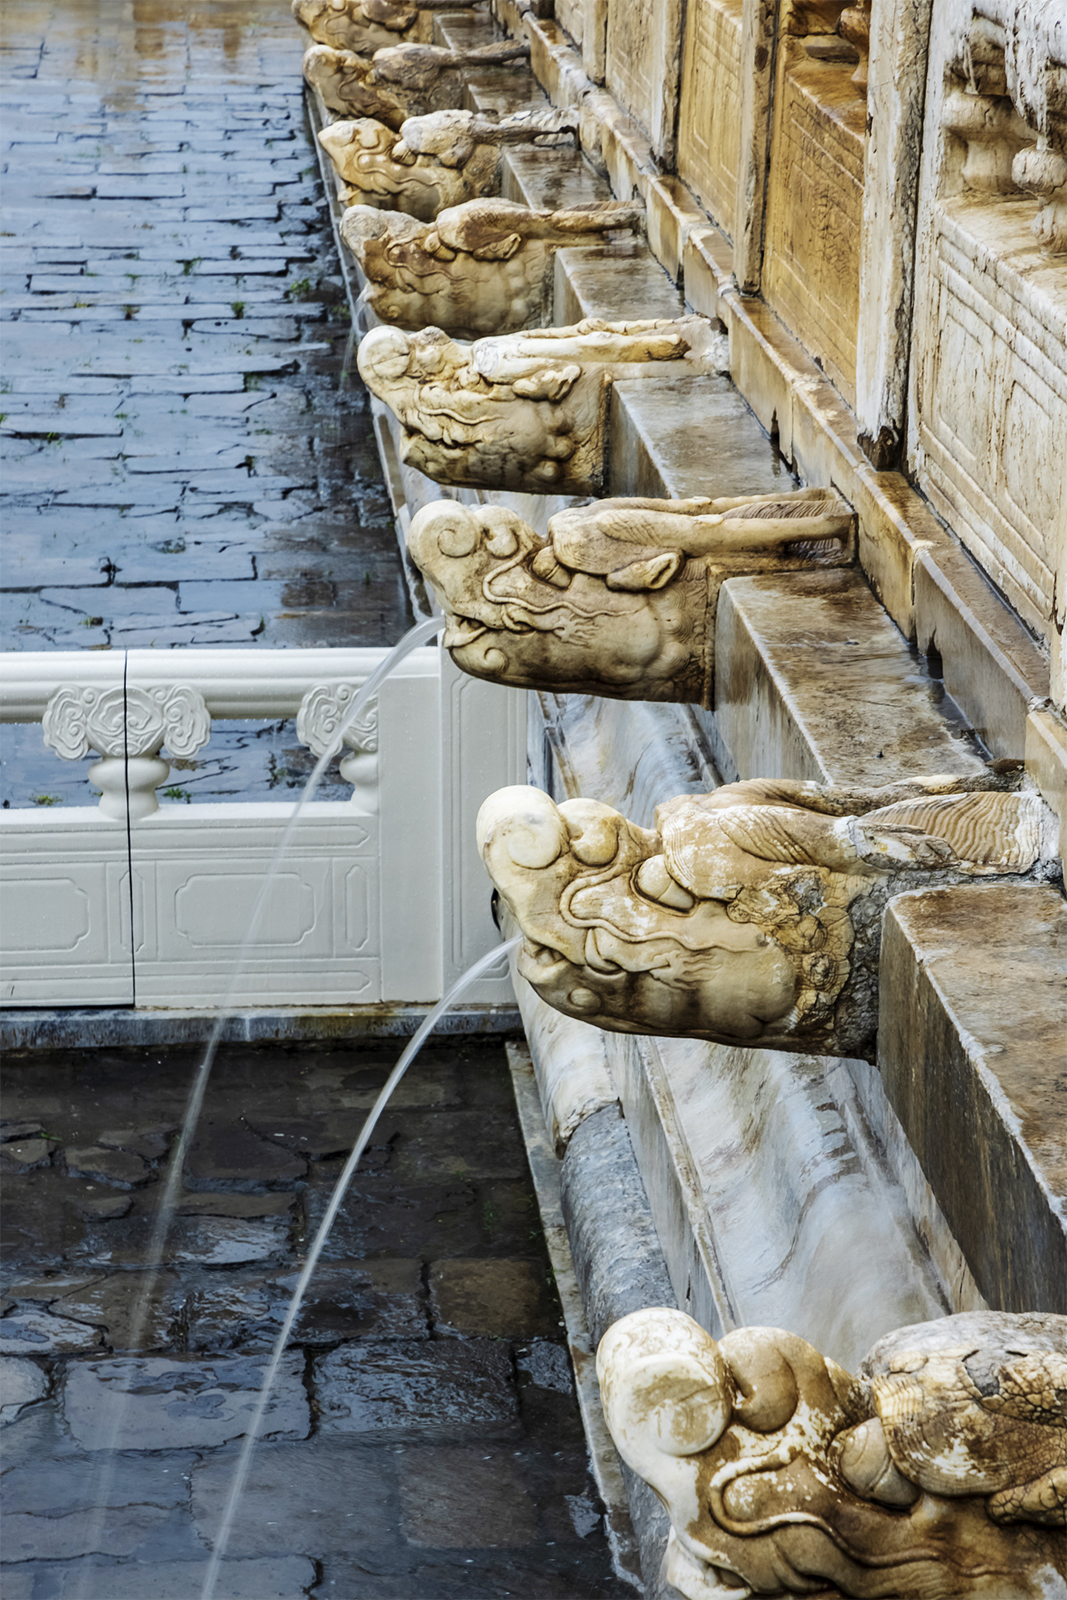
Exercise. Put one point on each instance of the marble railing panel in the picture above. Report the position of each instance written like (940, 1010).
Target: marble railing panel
(709, 128)
(989, 360)
(644, 41)
(814, 208)
(991, 392)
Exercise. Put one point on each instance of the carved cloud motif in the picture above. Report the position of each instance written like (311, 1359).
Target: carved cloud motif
(130, 721)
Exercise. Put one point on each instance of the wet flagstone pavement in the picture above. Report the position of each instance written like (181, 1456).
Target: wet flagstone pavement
(187, 463)
(185, 460)
(424, 1440)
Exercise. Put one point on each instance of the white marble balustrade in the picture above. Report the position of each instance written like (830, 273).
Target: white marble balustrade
(127, 903)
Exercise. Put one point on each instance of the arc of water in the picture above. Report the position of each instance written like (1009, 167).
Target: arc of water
(244, 1460)
(416, 636)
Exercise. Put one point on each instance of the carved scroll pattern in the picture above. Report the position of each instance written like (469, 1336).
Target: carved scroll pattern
(319, 722)
(128, 726)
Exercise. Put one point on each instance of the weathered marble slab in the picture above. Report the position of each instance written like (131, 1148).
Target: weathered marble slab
(709, 119)
(988, 395)
(973, 1054)
(643, 62)
(814, 206)
(814, 681)
(768, 1211)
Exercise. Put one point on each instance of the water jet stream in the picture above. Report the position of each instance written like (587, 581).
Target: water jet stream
(416, 636)
(244, 1460)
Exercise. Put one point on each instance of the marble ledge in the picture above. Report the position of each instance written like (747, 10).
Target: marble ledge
(957, 1050)
(603, 280)
(992, 666)
(813, 680)
(1046, 762)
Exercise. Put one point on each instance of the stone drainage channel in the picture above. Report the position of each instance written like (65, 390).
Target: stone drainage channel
(187, 462)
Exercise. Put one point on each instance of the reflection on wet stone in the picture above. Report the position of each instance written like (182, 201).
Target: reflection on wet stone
(447, 1456)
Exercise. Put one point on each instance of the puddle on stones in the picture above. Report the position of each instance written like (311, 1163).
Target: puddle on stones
(424, 1439)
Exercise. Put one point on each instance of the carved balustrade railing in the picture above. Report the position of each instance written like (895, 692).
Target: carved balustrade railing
(380, 897)
(131, 707)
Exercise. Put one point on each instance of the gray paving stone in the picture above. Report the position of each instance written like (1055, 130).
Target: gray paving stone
(230, 1155)
(109, 1305)
(210, 1241)
(23, 1155)
(279, 1578)
(326, 1496)
(36, 1333)
(499, 1298)
(169, 1403)
(120, 1168)
(453, 1497)
(21, 1383)
(402, 1391)
(236, 1205)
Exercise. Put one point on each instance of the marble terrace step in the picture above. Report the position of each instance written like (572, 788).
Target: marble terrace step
(609, 280)
(814, 680)
(690, 436)
(974, 1018)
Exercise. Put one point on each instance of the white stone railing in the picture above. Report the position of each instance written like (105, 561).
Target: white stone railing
(380, 898)
(170, 700)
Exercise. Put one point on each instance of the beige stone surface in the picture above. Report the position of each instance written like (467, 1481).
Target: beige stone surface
(989, 366)
(759, 19)
(749, 916)
(643, 65)
(990, 393)
(813, 680)
(480, 268)
(974, 1038)
(1046, 762)
(990, 663)
(524, 411)
(709, 128)
(619, 599)
(896, 89)
(368, 25)
(814, 208)
(938, 1471)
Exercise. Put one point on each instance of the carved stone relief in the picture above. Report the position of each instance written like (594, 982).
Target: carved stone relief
(369, 25)
(484, 267)
(405, 80)
(527, 410)
(128, 726)
(940, 1470)
(439, 160)
(748, 916)
(989, 363)
(620, 598)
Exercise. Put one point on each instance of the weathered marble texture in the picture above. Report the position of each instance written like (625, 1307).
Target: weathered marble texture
(484, 267)
(369, 25)
(440, 159)
(620, 598)
(751, 915)
(941, 1470)
(523, 411)
(401, 81)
